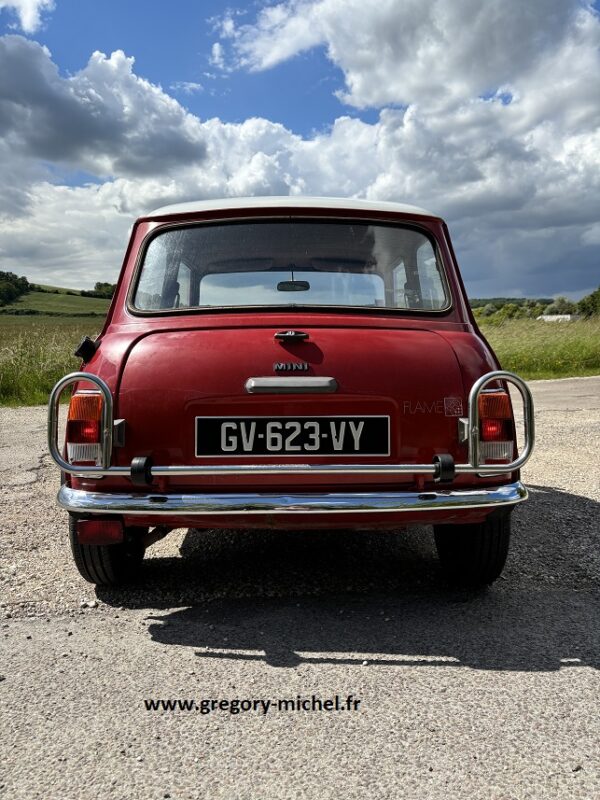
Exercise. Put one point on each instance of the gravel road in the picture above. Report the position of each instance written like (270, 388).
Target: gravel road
(462, 695)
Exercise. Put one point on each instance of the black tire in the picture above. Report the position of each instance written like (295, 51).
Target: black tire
(473, 555)
(108, 565)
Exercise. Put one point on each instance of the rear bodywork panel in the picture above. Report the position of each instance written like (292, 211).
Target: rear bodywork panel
(166, 369)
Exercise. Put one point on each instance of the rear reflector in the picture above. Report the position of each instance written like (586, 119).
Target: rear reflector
(100, 531)
(490, 452)
(84, 455)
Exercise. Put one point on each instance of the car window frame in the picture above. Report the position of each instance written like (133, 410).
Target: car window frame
(296, 307)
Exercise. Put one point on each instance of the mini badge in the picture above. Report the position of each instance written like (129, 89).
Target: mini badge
(290, 366)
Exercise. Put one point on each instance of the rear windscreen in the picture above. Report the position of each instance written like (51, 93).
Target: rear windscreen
(295, 263)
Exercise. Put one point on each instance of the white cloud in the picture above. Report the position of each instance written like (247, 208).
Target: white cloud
(71, 236)
(417, 51)
(510, 227)
(216, 56)
(281, 31)
(28, 11)
(104, 119)
(187, 87)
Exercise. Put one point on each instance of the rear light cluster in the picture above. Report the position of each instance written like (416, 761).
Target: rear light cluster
(84, 424)
(496, 427)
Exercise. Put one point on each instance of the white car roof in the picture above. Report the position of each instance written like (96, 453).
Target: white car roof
(294, 201)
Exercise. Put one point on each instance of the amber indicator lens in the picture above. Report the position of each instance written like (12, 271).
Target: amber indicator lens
(85, 407)
(495, 405)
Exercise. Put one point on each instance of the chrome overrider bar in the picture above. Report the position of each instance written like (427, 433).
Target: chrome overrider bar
(471, 425)
(82, 502)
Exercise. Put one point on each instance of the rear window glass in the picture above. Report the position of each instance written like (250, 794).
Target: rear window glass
(299, 263)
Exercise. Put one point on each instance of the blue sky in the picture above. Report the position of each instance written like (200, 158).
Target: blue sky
(108, 109)
(175, 48)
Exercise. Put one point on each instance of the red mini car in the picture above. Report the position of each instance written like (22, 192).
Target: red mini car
(289, 362)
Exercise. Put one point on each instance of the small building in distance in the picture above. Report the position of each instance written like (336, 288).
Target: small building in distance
(559, 317)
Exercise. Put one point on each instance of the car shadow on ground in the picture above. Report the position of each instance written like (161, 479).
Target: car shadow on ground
(346, 597)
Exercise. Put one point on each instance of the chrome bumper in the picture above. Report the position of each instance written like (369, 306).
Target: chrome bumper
(79, 501)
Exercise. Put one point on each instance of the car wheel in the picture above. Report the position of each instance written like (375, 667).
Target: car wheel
(474, 554)
(108, 565)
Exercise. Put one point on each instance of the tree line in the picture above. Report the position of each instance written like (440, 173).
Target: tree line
(12, 287)
(498, 309)
(104, 290)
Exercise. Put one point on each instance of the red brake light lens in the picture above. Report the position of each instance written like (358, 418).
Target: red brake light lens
(495, 430)
(83, 431)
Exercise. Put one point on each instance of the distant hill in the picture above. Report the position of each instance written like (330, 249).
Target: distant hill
(56, 302)
(475, 302)
(54, 289)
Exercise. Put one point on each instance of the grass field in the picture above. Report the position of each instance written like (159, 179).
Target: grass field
(45, 303)
(36, 351)
(535, 349)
